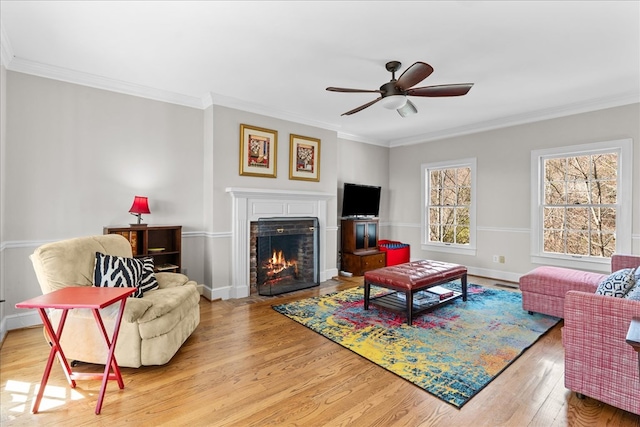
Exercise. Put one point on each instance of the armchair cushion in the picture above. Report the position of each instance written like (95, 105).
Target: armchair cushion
(618, 283)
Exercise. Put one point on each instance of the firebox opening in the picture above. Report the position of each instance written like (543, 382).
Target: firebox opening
(286, 255)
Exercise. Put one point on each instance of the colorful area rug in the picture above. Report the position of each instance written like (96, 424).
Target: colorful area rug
(452, 352)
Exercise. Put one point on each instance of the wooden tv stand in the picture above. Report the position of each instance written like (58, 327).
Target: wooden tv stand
(359, 246)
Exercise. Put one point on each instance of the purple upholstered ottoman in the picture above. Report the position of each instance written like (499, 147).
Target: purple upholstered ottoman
(412, 277)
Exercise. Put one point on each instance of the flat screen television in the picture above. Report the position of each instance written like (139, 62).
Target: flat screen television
(360, 200)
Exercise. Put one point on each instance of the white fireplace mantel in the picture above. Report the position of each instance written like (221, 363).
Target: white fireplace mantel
(251, 204)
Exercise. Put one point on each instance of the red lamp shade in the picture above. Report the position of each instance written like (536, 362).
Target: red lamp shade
(140, 206)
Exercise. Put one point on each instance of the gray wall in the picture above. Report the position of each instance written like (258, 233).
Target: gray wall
(3, 139)
(503, 183)
(73, 157)
(78, 155)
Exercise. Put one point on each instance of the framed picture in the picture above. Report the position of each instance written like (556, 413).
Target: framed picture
(258, 151)
(304, 158)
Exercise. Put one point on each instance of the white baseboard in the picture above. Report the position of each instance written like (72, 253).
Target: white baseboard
(494, 274)
(328, 274)
(226, 292)
(217, 293)
(19, 321)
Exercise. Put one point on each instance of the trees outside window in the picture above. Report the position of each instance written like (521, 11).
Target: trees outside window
(449, 205)
(580, 204)
(581, 208)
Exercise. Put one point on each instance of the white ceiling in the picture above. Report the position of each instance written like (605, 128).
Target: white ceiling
(529, 60)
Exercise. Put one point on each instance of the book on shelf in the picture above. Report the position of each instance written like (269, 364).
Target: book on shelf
(441, 292)
(132, 237)
(166, 267)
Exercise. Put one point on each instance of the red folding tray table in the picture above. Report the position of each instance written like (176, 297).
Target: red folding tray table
(68, 298)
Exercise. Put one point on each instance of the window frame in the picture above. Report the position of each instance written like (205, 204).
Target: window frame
(454, 248)
(624, 203)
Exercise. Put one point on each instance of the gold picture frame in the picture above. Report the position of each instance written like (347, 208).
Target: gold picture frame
(304, 158)
(258, 151)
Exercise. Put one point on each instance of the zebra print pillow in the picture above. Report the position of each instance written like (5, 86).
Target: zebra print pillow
(114, 271)
(148, 281)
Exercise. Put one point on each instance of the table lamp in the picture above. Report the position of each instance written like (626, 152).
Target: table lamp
(140, 206)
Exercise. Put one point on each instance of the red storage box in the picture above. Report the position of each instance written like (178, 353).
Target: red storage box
(397, 252)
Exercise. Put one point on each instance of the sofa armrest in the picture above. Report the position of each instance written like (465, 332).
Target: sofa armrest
(135, 309)
(618, 262)
(598, 361)
(170, 280)
(600, 318)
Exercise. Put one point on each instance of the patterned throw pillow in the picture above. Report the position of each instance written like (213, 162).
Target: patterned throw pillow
(618, 283)
(148, 281)
(634, 293)
(114, 271)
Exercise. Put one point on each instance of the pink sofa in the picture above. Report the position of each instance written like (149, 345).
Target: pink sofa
(598, 361)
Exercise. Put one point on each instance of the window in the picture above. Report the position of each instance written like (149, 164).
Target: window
(448, 223)
(582, 205)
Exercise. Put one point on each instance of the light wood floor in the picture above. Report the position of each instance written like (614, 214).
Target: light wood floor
(247, 365)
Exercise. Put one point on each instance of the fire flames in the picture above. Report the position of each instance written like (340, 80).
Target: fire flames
(277, 264)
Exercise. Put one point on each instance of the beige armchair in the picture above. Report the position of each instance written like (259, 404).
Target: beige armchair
(153, 327)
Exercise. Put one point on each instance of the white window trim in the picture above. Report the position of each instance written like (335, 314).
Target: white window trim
(624, 147)
(452, 248)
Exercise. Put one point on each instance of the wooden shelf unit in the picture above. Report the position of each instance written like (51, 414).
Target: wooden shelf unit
(359, 246)
(144, 239)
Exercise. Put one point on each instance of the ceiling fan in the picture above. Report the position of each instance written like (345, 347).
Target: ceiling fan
(393, 95)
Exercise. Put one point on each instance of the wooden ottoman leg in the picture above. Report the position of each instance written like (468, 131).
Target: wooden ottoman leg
(463, 279)
(367, 292)
(409, 297)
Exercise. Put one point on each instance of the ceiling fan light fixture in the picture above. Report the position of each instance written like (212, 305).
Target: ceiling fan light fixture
(393, 94)
(393, 102)
(407, 109)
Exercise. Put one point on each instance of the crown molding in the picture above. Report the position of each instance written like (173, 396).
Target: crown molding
(238, 104)
(358, 138)
(617, 100)
(99, 82)
(76, 77)
(6, 51)
(209, 99)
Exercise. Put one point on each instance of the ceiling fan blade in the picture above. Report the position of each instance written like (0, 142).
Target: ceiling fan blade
(362, 107)
(441, 90)
(342, 89)
(407, 109)
(414, 75)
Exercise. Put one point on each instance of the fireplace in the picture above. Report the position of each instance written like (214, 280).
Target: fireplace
(250, 205)
(284, 255)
